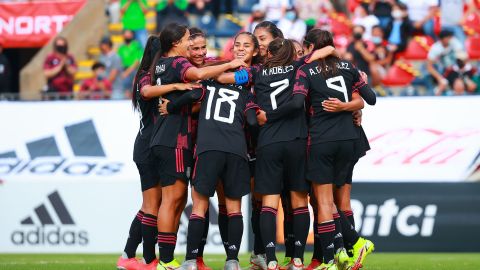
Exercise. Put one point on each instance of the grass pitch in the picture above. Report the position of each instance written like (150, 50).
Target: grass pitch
(376, 261)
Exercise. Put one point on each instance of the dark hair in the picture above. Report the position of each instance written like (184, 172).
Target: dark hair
(60, 38)
(402, 6)
(282, 51)
(196, 32)
(321, 38)
(97, 65)
(271, 28)
(152, 49)
(257, 59)
(107, 41)
(445, 33)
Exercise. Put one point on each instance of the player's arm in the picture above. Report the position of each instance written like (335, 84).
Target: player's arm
(238, 77)
(321, 53)
(151, 91)
(195, 74)
(365, 91)
(295, 103)
(335, 105)
(189, 97)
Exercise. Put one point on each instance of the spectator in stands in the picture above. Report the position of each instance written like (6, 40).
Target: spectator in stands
(357, 51)
(59, 68)
(133, 18)
(399, 29)
(97, 87)
(292, 26)
(171, 11)
(363, 18)
(130, 53)
(113, 66)
(383, 57)
(382, 9)
(442, 55)
(452, 14)
(113, 10)
(258, 16)
(313, 12)
(5, 73)
(422, 13)
(461, 75)
(275, 9)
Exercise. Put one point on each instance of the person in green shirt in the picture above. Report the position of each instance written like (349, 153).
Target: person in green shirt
(130, 53)
(133, 18)
(171, 11)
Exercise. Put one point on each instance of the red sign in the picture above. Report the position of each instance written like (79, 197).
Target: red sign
(33, 24)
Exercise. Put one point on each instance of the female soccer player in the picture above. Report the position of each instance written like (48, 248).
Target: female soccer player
(144, 226)
(171, 139)
(331, 135)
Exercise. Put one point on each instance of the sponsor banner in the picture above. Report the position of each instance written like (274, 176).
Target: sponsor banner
(421, 139)
(410, 217)
(34, 23)
(86, 217)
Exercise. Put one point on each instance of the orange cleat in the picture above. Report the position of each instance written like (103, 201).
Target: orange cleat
(127, 263)
(201, 264)
(313, 264)
(151, 266)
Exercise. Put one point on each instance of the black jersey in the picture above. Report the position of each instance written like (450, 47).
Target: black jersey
(273, 87)
(222, 118)
(173, 130)
(147, 110)
(327, 126)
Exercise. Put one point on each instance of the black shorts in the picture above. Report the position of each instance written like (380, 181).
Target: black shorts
(148, 175)
(350, 172)
(172, 164)
(229, 168)
(281, 166)
(330, 162)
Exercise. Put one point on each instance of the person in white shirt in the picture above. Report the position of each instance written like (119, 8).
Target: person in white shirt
(275, 9)
(292, 26)
(421, 13)
(368, 21)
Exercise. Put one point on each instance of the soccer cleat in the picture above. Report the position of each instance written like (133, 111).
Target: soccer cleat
(232, 265)
(258, 262)
(341, 259)
(273, 265)
(296, 264)
(287, 261)
(327, 266)
(201, 264)
(361, 249)
(126, 263)
(143, 266)
(313, 264)
(173, 265)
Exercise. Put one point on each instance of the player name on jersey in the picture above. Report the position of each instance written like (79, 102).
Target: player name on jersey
(277, 70)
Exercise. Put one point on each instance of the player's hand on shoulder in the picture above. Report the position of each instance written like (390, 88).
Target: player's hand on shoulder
(332, 105)
(162, 108)
(235, 63)
(261, 117)
(187, 86)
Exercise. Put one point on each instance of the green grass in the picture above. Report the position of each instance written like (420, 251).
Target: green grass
(376, 261)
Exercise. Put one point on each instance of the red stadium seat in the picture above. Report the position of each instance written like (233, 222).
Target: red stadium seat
(472, 24)
(417, 48)
(400, 74)
(341, 25)
(472, 44)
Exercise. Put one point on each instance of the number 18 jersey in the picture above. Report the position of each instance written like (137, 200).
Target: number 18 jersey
(222, 118)
(327, 126)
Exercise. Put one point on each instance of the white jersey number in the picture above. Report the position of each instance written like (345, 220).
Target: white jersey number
(341, 88)
(226, 95)
(282, 85)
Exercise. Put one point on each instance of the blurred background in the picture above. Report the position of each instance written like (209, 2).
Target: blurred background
(67, 128)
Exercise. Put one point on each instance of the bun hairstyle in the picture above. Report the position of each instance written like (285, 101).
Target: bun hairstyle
(321, 38)
(282, 53)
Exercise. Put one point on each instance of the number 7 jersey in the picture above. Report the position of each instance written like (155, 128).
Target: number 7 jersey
(222, 118)
(328, 126)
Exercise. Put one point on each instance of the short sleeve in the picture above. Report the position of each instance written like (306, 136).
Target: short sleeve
(253, 73)
(145, 80)
(358, 82)
(251, 102)
(301, 85)
(434, 52)
(180, 66)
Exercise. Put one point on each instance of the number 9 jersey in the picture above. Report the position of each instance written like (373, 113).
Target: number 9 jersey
(327, 126)
(222, 118)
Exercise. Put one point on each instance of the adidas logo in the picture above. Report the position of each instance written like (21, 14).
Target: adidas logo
(47, 156)
(330, 246)
(298, 244)
(195, 251)
(270, 245)
(232, 247)
(45, 226)
(338, 235)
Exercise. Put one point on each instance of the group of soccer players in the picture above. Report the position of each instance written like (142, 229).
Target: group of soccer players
(272, 122)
